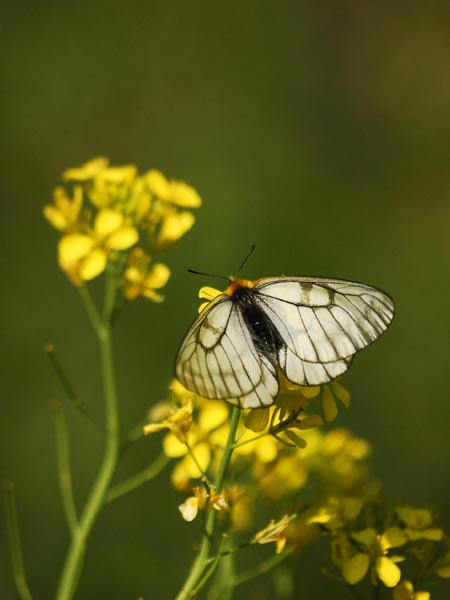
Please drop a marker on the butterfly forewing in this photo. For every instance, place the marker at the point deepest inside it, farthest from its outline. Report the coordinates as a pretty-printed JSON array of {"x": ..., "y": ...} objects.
[
  {"x": 316, "y": 325},
  {"x": 218, "y": 359}
]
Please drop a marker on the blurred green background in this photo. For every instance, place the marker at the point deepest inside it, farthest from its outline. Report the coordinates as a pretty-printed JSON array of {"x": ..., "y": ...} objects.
[{"x": 317, "y": 130}]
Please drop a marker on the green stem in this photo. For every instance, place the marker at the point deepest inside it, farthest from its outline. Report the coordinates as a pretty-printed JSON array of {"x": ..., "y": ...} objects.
[
  {"x": 15, "y": 547},
  {"x": 202, "y": 559},
  {"x": 74, "y": 560},
  {"x": 64, "y": 472},
  {"x": 139, "y": 479}
]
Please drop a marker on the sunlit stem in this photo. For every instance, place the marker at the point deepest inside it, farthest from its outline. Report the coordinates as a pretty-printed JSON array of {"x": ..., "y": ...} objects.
[
  {"x": 202, "y": 559},
  {"x": 103, "y": 328},
  {"x": 15, "y": 547}
]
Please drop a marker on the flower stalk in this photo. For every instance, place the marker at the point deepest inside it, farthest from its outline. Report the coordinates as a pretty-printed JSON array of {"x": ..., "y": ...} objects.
[
  {"x": 202, "y": 560},
  {"x": 103, "y": 328}
]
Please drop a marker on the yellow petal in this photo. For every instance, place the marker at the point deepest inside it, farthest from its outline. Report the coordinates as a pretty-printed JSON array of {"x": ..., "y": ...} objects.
[
  {"x": 404, "y": 591},
  {"x": 55, "y": 217},
  {"x": 257, "y": 419},
  {"x": 173, "y": 227},
  {"x": 387, "y": 571},
  {"x": 87, "y": 171},
  {"x": 172, "y": 446},
  {"x": 311, "y": 391},
  {"x": 93, "y": 264},
  {"x": 393, "y": 538},
  {"x": 158, "y": 184},
  {"x": 266, "y": 449},
  {"x": 153, "y": 427},
  {"x": 107, "y": 222},
  {"x": 341, "y": 393},
  {"x": 443, "y": 572},
  {"x": 354, "y": 569},
  {"x": 123, "y": 238},
  {"x": 158, "y": 276},
  {"x": 72, "y": 248},
  {"x": 414, "y": 518},
  {"x": 150, "y": 294},
  {"x": 189, "y": 509},
  {"x": 434, "y": 535},
  {"x": 202, "y": 455},
  {"x": 329, "y": 404},
  {"x": 184, "y": 195},
  {"x": 212, "y": 415},
  {"x": 208, "y": 293},
  {"x": 366, "y": 536},
  {"x": 310, "y": 421}
]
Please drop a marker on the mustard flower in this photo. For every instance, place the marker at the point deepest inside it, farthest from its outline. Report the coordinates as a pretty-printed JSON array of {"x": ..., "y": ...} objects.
[
  {"x": 86, "y": 171},
  {"x": 205, "y": 498},
  {"x": 178, "y": 421},
  {"x": 374, "y": 550},
  {"x": 418, "y": 521},
  {"x": 405, "y": 591},
  {"x": 274, "y": 532},
  {"x": 64, "y": 213},
  {"x": 83, "y": 256},
  {"x": 141, "y": 279}
]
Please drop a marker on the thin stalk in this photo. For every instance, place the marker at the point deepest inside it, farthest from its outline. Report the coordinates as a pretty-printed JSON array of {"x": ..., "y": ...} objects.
[
  {"x": 102, "y": 325},
  {"x": 64, "y": 471},
  {"x": 15, "y": 546},
  {"x": 139, "y": 479},
  {"x": 68, "y": 387},
  {"x": 202, "y": 558}
]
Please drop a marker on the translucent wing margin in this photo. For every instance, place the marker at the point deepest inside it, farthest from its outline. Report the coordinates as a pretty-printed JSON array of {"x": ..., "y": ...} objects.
[
  {"x": 323, "y": 323},
  {"x": 218, "y": 360}
]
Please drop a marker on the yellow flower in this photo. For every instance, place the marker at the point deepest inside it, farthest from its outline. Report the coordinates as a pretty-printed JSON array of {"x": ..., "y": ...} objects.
[
  {"x": 173, "y": 225},
  {"x": 112, "y": 187},
  {"x": 418, "y": 521},
  {"x": 172, "y": 191},
  {"x": 178, "y": 422},
  {"x": 274, "y": 532},
  {"x": 84, "y": 256},
  {"x": 405, "y": 591},
  {"x": 86, "y": 171},
  {"x": 64, "y": 213},
  {"x": 205, "y": 498},
  {"x": 377, "y": 546},
  {"x": 142, "y": 280}
]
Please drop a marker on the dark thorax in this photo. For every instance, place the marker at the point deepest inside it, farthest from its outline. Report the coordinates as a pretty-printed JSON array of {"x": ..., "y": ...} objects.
[{"x": 265, "y": 335}]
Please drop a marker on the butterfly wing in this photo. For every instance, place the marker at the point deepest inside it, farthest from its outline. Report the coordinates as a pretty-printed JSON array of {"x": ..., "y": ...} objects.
[
  {"x": 322, "y": 322},
  {"x": 217, "y": 358}
]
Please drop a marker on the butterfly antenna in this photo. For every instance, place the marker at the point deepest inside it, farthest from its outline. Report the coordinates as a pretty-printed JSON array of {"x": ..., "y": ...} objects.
[
  {"x": 208, "y": 274},
  {"x": 246, "y": 258}
]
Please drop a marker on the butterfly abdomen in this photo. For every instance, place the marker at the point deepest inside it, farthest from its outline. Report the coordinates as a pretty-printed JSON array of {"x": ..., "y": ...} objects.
[{"x": 265, "y": 336}]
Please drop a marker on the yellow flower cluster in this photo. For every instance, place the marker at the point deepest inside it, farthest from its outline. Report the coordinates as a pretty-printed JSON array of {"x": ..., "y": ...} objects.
[
  {"x": 266, "y": 451},
  {"x": 365, "y": 536},
  {"x": 104, "y": 212}
]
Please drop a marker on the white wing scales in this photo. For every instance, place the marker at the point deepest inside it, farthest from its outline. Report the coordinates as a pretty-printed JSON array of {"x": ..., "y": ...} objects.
[
  {"x": 217, "y": 359},
  {"x": 322, "y": 323}
]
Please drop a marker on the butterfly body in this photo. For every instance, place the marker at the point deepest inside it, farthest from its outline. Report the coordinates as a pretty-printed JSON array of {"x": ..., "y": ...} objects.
[{"x": 307, "y": 329}]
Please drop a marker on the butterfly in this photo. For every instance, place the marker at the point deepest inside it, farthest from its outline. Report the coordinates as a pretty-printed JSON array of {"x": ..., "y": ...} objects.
[{"x": 303, "y": 329}]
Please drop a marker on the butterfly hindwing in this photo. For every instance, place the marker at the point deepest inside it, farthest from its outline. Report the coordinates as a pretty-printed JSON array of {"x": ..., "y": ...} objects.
[{"x": 323, "y": 323}]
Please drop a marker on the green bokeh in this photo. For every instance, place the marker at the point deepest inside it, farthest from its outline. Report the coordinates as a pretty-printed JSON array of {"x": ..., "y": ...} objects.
[{"x": 318, "y": 131}]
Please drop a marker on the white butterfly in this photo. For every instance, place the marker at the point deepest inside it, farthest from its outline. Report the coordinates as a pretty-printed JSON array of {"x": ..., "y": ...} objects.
[{"x": 307, "y": 329}]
